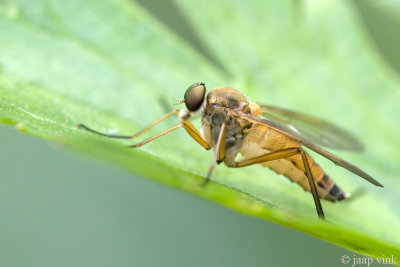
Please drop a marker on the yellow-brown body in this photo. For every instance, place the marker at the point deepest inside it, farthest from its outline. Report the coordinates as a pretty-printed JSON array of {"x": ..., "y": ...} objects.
[
  {"x": 231, "y": 125},
  {"x": 255, "y": 139}
]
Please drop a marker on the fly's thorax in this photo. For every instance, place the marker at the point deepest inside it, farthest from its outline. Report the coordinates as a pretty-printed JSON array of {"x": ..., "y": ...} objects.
[
  {"x": 235, "y": 130},
  {"x": 235, "y": 126},
  {"x": 232, "y": 99},
  {"x": 215, "y": 114},
  {"x": 227, "y": 97}
]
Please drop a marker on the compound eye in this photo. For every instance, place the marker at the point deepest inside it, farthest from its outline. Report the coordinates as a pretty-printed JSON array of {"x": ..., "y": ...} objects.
[{"x": 194, "y": 96}]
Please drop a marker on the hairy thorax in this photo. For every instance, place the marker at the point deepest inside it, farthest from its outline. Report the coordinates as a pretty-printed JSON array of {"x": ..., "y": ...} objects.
[{"x": 215, "y": 113}]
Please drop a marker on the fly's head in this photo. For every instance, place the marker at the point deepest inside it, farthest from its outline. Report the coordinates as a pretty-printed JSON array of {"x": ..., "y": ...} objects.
[{"x": 193, "y": 99}]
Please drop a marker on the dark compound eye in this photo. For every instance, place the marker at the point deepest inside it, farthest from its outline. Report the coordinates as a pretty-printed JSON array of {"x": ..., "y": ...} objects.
[{"x": 194, "y": 96}]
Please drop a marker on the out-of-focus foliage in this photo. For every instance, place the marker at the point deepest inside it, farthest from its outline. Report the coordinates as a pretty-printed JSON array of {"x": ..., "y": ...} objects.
[{"x": 382, "y": 19}]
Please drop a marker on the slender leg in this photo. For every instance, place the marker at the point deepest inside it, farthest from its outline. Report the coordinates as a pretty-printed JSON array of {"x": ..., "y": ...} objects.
[
  {"x": 280, "y": 154},
  {"x": 285, "y": 153},
  {"x": 156, "y": 136},
  {"x": 221, "y": 144},
  {"x": 190, "y": 129},
  {"x": 187, "y": 125},
  {"x": 175, "y": 111},
  {"x": 195, "y": 134},
  {"x": 219, "y": 153},
  {"x": 314, "y": 191}
]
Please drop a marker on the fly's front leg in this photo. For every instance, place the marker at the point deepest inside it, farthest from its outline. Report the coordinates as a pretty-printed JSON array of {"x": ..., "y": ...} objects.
[
  {"x": 175, "y": 111},
  {"x": 185, "y": 123},
  {"x": 190, "y": 129},
  {"x": 285, "y": 153},
  {"x": 195, "y": 134},
  {"x": 156, "y": 136}
]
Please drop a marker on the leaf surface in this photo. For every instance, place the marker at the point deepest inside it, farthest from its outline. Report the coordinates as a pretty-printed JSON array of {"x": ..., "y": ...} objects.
[{"x": 116, "y": 66}]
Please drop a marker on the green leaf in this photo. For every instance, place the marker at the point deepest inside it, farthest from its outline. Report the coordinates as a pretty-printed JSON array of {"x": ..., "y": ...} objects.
[{"x": 115, "y": 65}]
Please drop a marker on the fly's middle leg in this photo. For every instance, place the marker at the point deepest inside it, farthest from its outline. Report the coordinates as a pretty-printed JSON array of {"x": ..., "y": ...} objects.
[{"x": 219, "y": 152}]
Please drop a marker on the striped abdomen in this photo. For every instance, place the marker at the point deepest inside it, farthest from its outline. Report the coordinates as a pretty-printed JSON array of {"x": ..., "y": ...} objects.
[{"x": 261, "y": 140}]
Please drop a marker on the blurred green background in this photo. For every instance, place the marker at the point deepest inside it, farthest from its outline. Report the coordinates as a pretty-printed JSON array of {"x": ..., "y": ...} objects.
[{"x": 68, "y": 210}]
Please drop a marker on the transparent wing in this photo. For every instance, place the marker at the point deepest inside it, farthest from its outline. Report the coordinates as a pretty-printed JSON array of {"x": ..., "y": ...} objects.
[
  {"x": 312, "y": 129},
  {"x": 301, "y": 140}
]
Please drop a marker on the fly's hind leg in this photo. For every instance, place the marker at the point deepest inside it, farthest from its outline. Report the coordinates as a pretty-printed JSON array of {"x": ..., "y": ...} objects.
[
  {"x": 279, "y": 154},
  {"x": 285, "y": 153},
  {"x": 311, "y": 181}
]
